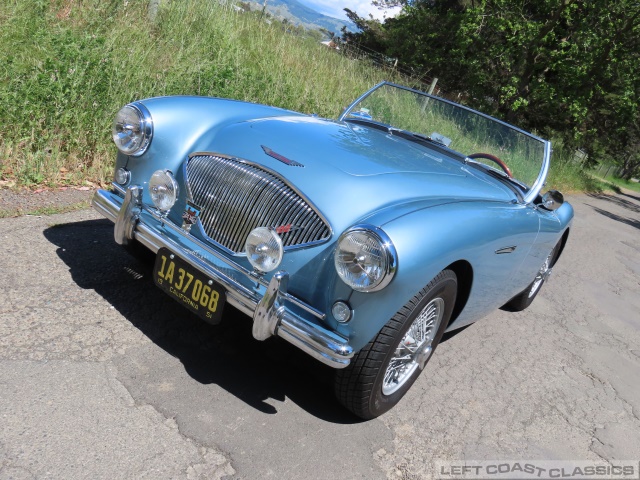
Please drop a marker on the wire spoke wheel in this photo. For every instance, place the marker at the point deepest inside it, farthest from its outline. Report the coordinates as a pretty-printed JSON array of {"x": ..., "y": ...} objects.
[
  {"x": 382, "y": 372},
  {"x": 525, "y": 297},
  {"x": 541, "y": 276},
  {"x": 415, "y": 348}
]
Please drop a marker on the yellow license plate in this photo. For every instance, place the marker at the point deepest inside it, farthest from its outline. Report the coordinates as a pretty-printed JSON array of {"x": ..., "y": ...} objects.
[{"x": 189, "y": 286}]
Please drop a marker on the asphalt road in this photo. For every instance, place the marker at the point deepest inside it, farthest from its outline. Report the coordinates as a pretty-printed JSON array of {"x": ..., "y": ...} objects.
[{"x": 103, "y": 376}]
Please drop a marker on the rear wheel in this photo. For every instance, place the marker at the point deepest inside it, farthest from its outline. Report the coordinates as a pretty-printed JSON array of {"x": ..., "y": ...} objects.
[
  {"x": 526, "y": 297},
  {"x": 383, "y": 371}
]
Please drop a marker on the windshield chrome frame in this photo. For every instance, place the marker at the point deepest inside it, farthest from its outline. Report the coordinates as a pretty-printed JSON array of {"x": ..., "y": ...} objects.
[{"x": 533, "y": 191}]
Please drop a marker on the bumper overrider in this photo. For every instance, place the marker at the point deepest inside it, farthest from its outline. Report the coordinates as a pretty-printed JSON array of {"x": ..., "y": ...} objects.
[{"x": 274, "y": 311}]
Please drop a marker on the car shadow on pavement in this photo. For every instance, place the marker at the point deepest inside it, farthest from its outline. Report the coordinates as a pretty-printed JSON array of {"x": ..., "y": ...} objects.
[
  {"x": 618, "y": 200},
  {"x": 449, "y": 335},
  {"x": 628, "y": 195},
  {"x": 626, "y": 220},
  {"x": 226, "y": 354}
]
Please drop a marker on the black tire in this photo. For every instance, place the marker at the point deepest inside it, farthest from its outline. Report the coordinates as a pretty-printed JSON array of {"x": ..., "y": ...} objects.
[
  {"x": 359, "y": 387},
  {"x": 528, "y": 295},
  {"x": 523, "y": 299}
]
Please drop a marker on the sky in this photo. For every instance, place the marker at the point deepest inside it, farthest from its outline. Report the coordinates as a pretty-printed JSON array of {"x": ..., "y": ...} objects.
[{"x": 334, "y": 8}]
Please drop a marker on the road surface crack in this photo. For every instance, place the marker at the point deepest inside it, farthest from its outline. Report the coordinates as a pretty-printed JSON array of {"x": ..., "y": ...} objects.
[{"x": 214, "y": 463}]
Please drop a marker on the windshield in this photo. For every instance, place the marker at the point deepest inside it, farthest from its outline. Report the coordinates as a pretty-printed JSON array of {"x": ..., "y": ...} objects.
[{"x": 431, "y": 120}]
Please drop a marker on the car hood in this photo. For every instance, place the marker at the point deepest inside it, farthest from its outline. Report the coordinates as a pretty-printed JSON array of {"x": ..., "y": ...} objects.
[{"x": 349, "y": 171}]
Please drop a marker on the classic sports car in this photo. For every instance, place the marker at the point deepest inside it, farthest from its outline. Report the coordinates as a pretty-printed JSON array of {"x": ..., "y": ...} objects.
[{"x": 360, "y": 240}]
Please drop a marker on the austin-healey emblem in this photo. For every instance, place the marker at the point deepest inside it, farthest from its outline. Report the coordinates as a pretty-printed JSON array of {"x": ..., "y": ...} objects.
[{"x": 190, "y": 216}]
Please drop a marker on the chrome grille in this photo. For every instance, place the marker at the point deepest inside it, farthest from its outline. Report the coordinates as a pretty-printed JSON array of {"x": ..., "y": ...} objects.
[{"x": 235, "y": 197}]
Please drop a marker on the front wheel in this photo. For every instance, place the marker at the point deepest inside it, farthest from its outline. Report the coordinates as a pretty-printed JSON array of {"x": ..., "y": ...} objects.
[{"x": 383, "y": 371}]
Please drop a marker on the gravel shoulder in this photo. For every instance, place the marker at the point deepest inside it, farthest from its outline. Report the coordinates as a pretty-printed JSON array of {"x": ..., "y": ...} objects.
[
  {"x": 103, "y": 376},
  {"x": 17, "y": 202}
]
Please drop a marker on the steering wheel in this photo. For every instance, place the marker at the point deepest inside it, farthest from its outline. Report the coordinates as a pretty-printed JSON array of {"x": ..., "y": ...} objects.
[{"x": 493, "y": 158}]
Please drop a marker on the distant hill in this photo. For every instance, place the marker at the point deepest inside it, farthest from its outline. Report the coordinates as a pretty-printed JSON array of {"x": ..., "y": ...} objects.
[{"x": 300, "y": 14}]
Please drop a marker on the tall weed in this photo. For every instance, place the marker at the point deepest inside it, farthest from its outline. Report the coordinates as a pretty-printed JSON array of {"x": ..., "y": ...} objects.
[{"x": 67, "y": 66}]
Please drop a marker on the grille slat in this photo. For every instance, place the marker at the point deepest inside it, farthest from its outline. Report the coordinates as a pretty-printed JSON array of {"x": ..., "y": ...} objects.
[
  {"x": 233, "y": 209},
  {"x": 235, "y": 197},
  {"x": 269, "y": 213}
]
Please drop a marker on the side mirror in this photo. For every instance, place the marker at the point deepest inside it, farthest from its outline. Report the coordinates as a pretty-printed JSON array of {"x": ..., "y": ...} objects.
[{"x": 552, "y": 200}]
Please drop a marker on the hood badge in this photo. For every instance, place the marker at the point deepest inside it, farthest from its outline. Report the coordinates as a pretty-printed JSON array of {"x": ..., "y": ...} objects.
[
  {"x": 282, "y": 229},
  {"x": 281, "y": 158},
  {"x": 190, "y": 216}
]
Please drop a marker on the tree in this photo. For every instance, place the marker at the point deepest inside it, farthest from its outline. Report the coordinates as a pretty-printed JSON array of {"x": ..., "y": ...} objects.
[{"x": 568, "y": 68}]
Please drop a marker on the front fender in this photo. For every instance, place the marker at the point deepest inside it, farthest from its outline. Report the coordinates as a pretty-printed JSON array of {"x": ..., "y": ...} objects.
[{"x": 430, "y": 239}]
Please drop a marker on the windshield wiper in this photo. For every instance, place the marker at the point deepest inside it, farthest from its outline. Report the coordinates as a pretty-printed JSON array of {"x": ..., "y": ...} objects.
[
  {"x": 413, "y": 135},
  {"x": 369, "y": 123},
  {"x": 433, "y": 141}
]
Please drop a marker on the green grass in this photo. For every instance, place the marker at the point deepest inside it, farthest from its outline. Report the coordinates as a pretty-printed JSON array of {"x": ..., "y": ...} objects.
[
  {"x": 620, "y": 182},
  {"x": 568, "y": 178},
  {"x": 66, "y": 68},
  {"x": 615, "y": 183},
  {"x": 45, "y": 211}
]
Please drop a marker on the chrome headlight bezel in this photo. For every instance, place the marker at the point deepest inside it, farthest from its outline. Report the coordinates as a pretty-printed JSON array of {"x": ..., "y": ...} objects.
[
  {"x": 385, "y": 265},
  {"x": 132, "y": 138}
]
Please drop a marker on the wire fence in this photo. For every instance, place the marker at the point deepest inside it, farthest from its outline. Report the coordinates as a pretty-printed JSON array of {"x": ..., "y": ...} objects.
[
  {"x": 419, "y": 80},
  {"x": 604, "y": 171}
]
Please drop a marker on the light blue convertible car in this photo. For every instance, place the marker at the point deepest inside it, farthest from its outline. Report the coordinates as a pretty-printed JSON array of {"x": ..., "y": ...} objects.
[{"x": 360, "y": 240}]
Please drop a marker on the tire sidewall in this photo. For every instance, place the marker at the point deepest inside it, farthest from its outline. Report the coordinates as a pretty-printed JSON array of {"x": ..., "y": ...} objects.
[
  {"x": 524, "y": 299},
  {"x": 445, "y": 288}
]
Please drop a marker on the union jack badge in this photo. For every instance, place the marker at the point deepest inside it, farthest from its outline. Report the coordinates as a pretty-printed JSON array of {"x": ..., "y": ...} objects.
[{"x": 190, "y": 216}]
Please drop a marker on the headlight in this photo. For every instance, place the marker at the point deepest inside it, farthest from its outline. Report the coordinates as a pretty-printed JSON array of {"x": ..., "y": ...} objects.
[
  {"x": 264, "y": 249},
  {"x": 133, "y": 129},
  {"x": 365, "y": 258},
  {"x": 163, "y": 189}
]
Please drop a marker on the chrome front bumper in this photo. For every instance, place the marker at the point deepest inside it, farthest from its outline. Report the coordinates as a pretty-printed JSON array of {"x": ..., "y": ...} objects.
[{"x": 269, "y": 305}]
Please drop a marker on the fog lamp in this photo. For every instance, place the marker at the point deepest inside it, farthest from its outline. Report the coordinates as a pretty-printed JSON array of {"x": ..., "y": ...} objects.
[
  {"x": 163, "y": 189},
  {"x": 264, "y": 249}
]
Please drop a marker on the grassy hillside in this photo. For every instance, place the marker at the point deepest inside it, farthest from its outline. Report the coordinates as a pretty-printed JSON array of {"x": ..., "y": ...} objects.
[{"x": 67, "y": 66}]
